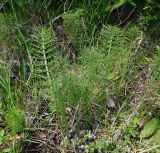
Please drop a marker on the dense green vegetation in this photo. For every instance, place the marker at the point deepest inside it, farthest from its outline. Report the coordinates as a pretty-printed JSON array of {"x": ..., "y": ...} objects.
[{"x": 79, "y": 76}]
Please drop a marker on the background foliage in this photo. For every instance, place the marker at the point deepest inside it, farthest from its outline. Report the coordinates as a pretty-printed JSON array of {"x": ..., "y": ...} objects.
[{"x": 107, "y": 100}]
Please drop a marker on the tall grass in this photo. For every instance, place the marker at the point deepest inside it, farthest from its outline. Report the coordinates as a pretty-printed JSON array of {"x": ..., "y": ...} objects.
[{"x": 5, "y": 83}]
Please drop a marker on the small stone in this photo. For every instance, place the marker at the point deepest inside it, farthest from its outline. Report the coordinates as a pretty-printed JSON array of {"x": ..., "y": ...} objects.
[
  {"x": 91, "y": 137},
  {"x": 111, "y": 103},
  {"x": 52, "y": 142},
  {"x": 82, "y": 147}
]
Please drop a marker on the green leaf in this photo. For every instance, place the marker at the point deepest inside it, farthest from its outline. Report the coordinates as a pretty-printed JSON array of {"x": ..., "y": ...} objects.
[
  {"x": 156, "y": 138},
  {"x": 131, "y": 2},
  {"x": 1, "y": 104},
  {"x": 53, "y": 108},
  {"x": 119, "y": 3},
  {"x": 1, "y": 132},
  {"x": 149, "y": 128},
  {"x": 112, "y": 76},
  {"x": 1, "y": 135},
  {"x": 7, "y": 150}
]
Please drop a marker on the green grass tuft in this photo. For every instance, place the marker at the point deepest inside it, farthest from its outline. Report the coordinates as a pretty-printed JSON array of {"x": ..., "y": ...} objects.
[{"x": 14, "y": 119}]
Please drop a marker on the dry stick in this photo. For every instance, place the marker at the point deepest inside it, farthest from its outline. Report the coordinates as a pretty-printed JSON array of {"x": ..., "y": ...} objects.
[
  {"x": 2, "y": 6},
  {"x": 63, "y": 36},
  {"x": 149, "y": 149}
]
